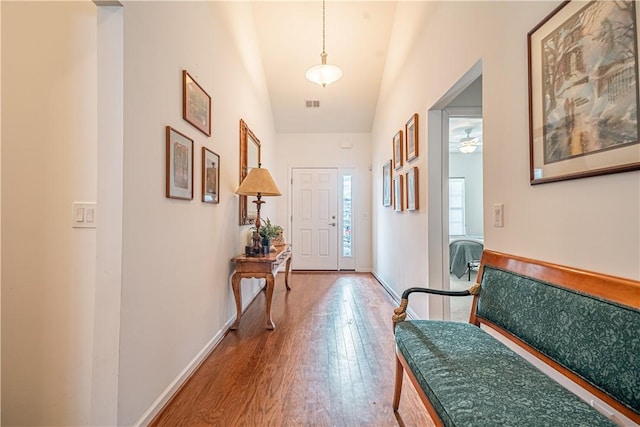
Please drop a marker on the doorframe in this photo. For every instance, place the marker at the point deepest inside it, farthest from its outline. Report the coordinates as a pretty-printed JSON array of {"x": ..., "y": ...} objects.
[{"x": 438, "y": 166}]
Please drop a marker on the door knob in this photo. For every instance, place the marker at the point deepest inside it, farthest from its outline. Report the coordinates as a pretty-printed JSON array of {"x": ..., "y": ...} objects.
[{"x": 333, "y": 224}]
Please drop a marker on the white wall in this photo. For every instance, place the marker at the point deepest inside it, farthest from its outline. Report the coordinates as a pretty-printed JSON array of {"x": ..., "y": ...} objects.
[
  {"x": 587, "y": 223},
  {"x": 324, "y": 150},
  {"x": 106, "y": 333},
  {"x": 48, "y": 161},
  {"x": 172, "y": 296},
  {"x": 176, "y": 297}
]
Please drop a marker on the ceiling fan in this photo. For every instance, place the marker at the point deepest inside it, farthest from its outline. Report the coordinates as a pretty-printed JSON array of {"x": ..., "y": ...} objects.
[{"x": 467, "y": 144}]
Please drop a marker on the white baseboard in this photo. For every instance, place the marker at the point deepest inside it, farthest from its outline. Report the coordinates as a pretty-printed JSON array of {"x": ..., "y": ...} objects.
[
  {"x": 410, "y": 313},
  {"x": 175, "y": 385}
]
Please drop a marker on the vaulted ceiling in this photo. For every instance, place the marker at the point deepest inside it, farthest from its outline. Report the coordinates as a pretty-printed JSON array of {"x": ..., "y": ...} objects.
[
  {"x": 290, "y": 42},
  {"x": 357, "y": 37}
]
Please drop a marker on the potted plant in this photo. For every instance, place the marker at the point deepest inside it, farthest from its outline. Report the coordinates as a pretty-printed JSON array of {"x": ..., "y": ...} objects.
[{"x": 269, "y": 232}]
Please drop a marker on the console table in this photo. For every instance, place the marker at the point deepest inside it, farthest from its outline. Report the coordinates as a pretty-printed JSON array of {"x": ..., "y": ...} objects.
[{"x": 260, "y": 267}]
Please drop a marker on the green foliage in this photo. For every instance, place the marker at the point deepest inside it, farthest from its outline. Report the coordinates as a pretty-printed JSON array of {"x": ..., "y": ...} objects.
[{"x": 267, "y": 229}]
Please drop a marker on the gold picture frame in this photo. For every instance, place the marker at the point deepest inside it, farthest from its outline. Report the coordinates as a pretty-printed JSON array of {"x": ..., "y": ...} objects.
[
  {"x": 412, "y": 189},
  {"x": 397, "y": 150},
  {"x": 250, "y": 152},
  {"x": 411, "y": 137}
]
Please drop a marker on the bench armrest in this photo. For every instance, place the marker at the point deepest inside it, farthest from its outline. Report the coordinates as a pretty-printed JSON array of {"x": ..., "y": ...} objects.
[{"x": 400, "y": 313}]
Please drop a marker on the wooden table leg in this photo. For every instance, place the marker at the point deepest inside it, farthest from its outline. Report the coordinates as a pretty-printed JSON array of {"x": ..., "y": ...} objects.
[
  {"x": 270, "y": 285},
  {"x": 237, "y": 294},
  {"x": 286, "y": 273}
]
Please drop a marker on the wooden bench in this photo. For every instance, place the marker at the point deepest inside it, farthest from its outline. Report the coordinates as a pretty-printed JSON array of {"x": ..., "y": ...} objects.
[{"x": 585, "y": 325}]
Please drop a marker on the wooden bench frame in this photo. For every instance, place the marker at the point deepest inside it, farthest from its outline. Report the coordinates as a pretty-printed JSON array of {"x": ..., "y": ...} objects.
[{"x": 611, "y": 288}]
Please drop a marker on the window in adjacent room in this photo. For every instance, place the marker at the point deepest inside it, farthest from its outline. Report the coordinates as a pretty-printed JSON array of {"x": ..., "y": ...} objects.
[{"x": 457, "y": 225}]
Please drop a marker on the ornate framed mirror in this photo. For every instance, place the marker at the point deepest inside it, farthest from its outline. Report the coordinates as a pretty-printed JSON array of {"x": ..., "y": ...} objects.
[{"x": 249, "y": 159}]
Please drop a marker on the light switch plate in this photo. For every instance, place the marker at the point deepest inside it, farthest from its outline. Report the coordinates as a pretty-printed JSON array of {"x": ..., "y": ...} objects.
[
  {"x": 84, "y": 215},
  {"x": 498, "y": 215}
]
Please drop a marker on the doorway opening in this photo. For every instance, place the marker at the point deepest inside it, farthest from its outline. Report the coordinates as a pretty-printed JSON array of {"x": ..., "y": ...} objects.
[
  {"x": 462, "y": 101},
  {"x": 465, "y": 201}
]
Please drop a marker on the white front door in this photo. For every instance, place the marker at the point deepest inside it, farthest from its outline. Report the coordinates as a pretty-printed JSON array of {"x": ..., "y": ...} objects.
[{"x": 314, "y": 219}]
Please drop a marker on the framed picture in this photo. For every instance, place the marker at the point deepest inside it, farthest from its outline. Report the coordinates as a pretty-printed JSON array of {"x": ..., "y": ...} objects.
[
  {"x": 196, "y": 104},
  {"x": 210, "y": 176},
  {"x": 398, "y": 196},
  {"x": 397, "y": 150},
  {"x": 386, "y": 184},
  {"x": 412, "y": 189},
  {"x": 583, "y": 91},
  {"x": 411, "y": 135},
  {"x": 179, "y": 183}
]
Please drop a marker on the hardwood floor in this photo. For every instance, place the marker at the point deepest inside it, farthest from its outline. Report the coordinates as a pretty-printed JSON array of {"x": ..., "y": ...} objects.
[{"x": 329, "y": 362}]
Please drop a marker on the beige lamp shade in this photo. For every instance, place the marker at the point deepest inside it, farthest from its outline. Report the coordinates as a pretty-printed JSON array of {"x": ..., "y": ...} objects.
[{"x": 258, "y": 182}]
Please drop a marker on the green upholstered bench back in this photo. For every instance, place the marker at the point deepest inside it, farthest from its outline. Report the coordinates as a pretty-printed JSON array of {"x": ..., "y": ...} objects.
[{"x": 596, "y": 339}]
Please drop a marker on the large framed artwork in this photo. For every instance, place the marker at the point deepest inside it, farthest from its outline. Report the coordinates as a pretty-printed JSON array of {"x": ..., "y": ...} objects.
[
  {"x": 386, "y": 184},
  {"x": 179, "y": 165},
  {"x": 583, "y": 91},
  {"x": 210, "y": 176},
  {"x": 397, "y": 150},
  {"x": 196, "y": 104}
]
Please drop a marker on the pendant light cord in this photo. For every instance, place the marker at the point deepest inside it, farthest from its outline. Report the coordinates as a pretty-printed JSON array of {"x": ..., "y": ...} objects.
[{"x": 323, "y": 26}]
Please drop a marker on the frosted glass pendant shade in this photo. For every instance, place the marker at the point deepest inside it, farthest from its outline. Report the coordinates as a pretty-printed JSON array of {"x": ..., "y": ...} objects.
[{"x": 323, "y": 74}]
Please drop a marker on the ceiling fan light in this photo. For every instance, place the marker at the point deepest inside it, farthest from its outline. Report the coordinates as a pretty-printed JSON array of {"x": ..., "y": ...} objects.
[
  {"x": 323, "y": 74},
  {"x": 467, "y": 144},
  {"x": 467, "y": 147}
]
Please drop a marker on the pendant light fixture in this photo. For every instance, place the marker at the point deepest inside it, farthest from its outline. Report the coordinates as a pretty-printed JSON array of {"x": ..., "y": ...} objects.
[{"x": 324, "y": 73}]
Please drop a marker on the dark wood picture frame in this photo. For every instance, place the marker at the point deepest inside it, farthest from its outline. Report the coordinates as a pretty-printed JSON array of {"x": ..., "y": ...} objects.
[
  {"x": 411, "y": 138},
  {"x": 196, "y": 104},
  {"x": 179, "y": 165},
  {"x": 583, "y": 92},
  {"x": 210, "y": 176},
  {"x": 397, "y": 150}
]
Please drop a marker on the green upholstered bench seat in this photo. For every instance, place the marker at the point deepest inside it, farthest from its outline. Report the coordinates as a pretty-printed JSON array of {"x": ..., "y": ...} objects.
[
  {"x": 583, "y": 324},
  {"x": 472, "y": 379}
]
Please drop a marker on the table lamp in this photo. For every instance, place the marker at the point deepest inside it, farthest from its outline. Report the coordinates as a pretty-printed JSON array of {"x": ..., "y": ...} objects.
[{"x": 258, "y": 183}]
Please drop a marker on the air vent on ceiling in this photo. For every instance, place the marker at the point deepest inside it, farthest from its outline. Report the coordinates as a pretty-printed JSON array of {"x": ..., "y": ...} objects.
[{"x": 312, "y": 104}]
